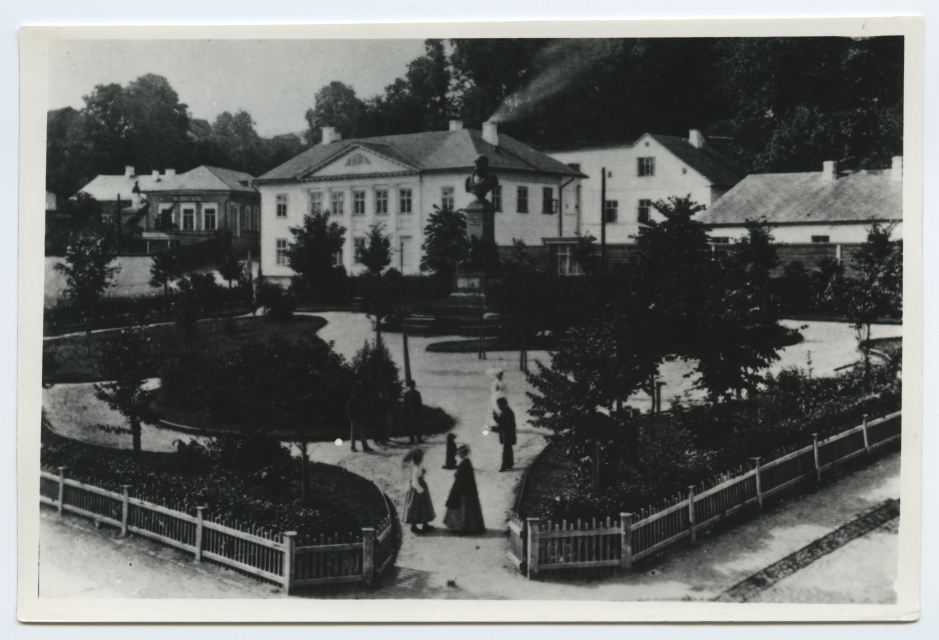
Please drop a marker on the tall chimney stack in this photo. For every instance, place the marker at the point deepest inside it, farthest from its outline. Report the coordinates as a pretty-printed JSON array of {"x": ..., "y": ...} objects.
[
  {"x": 456, "y": 125},
  {"x": 491, "y": 133},
  {"x": 169, "y": 173},
  {"x": 155, "y": 174},
  {"x": 896, "y": 169},
  {"x": 129, "y": 171},
  {"x": 695, "y": 139},
  {"x": 330, "y": 135},
  {"x": 829, "y": 171}
]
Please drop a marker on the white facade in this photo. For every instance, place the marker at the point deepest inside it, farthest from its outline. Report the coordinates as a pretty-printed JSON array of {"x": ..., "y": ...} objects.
[
  {"x": 370, "y": 189},
  {"x": 631, "y": 192},
  {"x": 841, "y": 233}
]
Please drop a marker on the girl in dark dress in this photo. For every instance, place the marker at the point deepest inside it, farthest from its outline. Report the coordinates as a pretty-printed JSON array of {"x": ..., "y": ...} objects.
[
  {"x": 418, "y": 507},
  {"x": 451, "y": 452},
  {"x": 464, "y": 513}
]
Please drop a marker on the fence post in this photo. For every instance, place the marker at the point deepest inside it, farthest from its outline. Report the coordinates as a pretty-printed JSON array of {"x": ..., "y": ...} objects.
[
  {"x": 289, "y": 546},
  {"x": 368, "y": 555},
  {"x": 818, "y": 467},
  {"x": 198, "y": 545},
  {"x": 534, "y": 528},
  {"x": 867, "y": 444},
  {"x": 626, "y": 557},
  {"x": 694, "y": 528},
  {"x": 125, "y": 509},
  {"x": 61, "y": 490},
  {"x": 759, "y": 484}
]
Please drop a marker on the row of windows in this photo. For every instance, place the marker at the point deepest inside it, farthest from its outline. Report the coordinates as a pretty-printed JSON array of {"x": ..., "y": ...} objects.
[
  {"x": 249, "y": 217},
  {"x": 358, "y": 248},
  {"x": 643, "y": 211},
  {"x": 406, "y": 201},
  {"x": 727, "y": 240}
]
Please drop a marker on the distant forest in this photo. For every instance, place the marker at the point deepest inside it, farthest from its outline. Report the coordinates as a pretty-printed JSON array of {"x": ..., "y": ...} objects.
[{"x": 772, "y": 104}]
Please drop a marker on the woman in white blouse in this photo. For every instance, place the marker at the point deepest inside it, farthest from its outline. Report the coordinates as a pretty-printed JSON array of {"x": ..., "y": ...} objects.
[{"x": 418, "y": 507}]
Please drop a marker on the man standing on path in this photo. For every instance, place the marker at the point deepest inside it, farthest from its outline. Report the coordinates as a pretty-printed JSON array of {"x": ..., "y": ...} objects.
[
  {"x": 413, "y": 404},
  {"x": 357, "y": 421},
  {"x": 505, "y": 425}
]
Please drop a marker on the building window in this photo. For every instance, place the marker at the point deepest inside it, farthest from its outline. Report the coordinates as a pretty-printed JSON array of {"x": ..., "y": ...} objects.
[
  {"x": 281, "y": 205},
  {"x": 189, "y": 219},
  {"x": 242, "y": 219},
  {"x": 209, "y": 219},
  {"x": 645, "y": 210},
  {"x": 567, "y": 265},
  {"x": 359, "y": 249},
  {"x": 497, "y": 198},
  {"x": 338, "y": 202},
  {"x": 611, "y": 211},
  {"x": 405, "y": 198},
  {"x": 281, "y": 251},
  {"x": 358, "y": 203},
  {"x": 446, "y": 198},
  {"x": 821, "y": 239},
  {"x": 522, "y": 200},
  {"x": 381, "y": 201},
  {"x": 165, "y": 219},
  {"x": 547, "y": 200},
  {"x": 337, "y": 258},
  {"x": 316, "y": 201},
  {"x": 646, "y": 167}
]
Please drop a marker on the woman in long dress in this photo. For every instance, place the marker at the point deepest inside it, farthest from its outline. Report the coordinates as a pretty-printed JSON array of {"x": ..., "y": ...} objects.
[
  {"x": 498, "y": 389},
  {"x": 418, "y": 507},
  {"x": 464, "y": 513}
]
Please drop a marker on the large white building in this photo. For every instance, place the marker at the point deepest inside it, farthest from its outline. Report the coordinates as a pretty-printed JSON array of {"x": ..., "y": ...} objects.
[
  {"x": 653, "y": 168},
  {"x": 395, "y": 181}
]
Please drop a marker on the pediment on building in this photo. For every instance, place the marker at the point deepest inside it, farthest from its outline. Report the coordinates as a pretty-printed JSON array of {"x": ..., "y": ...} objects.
[{"x": 360, "y": 160}]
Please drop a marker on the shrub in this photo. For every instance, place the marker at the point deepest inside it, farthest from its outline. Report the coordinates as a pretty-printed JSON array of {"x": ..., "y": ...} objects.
[{"x": 279, "y": 302}]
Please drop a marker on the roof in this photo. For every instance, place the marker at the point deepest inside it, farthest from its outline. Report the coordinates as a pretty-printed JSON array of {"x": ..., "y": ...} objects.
[
  {"x": 204, "y": 178},
  {"x": 705, "y": 160},
  {"x": 105, "y": 188},
  {"x": 429, "y": 151},
  {"x": 804, "y": 198}
]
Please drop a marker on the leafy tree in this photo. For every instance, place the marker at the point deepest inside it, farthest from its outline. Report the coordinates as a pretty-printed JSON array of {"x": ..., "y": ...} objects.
[
  {"x": 382, "y": 297},
  {"x": 164, "y": 269},
  {"x": 237, "y": 144},
  {"x": 278, "y": 302},
  {"x": 377, "y": 253},
  {"x": 312, "y": 254},
  {"x": 207, "y": 292},
  {"x": 230, "y": 268},
  {"x": 336, "y": 105},
  {"x": 524, "y": 296},
  {"x": 445, "y": 244},
  {"x": 377, "y": 380},
  {"x": 88, "y": 272},
  {"x": 128, "y": 362}
]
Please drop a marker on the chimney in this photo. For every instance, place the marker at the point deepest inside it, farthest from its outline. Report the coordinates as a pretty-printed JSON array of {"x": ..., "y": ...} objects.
[
  {"x": 695, "y": 139},
  {"x": 456, "y": 125},
  {"x": 829, "y": 171},
  {"x": 169, "y": 173},
  {"x": 129, "y": 171},
  {"x": 491, "y": 133},
  {"x": 896, "y": 169},
  {"x": 155, "y": 174},
  {"x": 330, "y": 135}
]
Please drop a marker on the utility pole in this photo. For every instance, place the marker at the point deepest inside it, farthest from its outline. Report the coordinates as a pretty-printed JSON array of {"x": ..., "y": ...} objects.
[
  {"x": 118, "y": 224},
  {"x": 603, "y": 221}
]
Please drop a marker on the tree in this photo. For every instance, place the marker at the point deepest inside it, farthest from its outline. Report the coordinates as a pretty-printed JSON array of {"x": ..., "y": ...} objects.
[
  {"x": 88, "y": 272},
  {"x": 230, "y": 268},
  {"x": 164, "y": 269},
  {"x": 377, "y": 380},
  {"x": 128, "y": 362},
  {"x": 336, "y": 105},
  {"x": 278, "y": 303},
  {"x": 377, "y": 252},
  {"x": 445, "y": 244},
  {"x": 237, "y": 144},
  {"x": 312, "y": 254},
  {"x": 187, "y": 306},
  {"x": 524, "y": 296},
  {"x": 382, "y": 296}
]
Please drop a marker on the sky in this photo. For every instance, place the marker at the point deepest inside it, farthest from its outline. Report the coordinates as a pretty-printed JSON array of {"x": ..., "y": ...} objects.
[{"x": 273, "y": 80}]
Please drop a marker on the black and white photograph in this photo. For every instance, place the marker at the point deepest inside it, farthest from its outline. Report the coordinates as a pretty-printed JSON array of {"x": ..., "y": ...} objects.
[{"x": 430, "y": 314}]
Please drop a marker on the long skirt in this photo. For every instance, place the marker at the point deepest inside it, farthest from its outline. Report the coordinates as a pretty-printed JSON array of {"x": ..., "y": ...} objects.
[
  {"x": 418, "y": 507},
  {"x": 467, "y": 518}
]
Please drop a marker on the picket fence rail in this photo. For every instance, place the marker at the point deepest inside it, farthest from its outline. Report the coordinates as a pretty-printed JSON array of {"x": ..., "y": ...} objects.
[
  {"x": 276, "y": 557},
  {"x": 537, "y": 546}
]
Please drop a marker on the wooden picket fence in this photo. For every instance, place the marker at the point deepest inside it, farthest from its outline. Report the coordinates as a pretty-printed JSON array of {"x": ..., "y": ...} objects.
[
  {"x": 537, "y": 546},
  {"x": 276, "y": 557}
]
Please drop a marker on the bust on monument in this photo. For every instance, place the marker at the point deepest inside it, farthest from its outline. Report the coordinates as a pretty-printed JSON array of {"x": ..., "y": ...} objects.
[{"x": 482, "y": 181}]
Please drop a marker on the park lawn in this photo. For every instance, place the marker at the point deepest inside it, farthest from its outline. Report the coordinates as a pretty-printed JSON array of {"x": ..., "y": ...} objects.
[{"x": 77, "y": 357}]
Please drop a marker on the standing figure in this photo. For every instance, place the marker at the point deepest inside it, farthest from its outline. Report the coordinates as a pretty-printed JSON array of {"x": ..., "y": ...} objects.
[
  {"x": 413, "y": 406},
  {"x": 505, "y": 426},
  {"x": 498, "y": 389},
  {"x": 357, "y": 421},
  {"x": 451, "y": 452},
  {"x": 464, "y": 513},
  {"x": 418, "y": 507}
]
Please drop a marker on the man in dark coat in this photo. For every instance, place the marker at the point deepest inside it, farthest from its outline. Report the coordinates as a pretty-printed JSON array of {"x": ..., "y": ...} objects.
[
  {"x": 413, "y": 404},
  {"x": 505, "y": 425},
  {"x": 357, "y": 421}
]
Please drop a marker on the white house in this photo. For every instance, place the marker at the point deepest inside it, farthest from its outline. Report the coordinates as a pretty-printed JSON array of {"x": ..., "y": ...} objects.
[
  {"x": 652, "y": 168},
  {"x": 395, "y": 181},
  {"x": 828, "y": 207}
]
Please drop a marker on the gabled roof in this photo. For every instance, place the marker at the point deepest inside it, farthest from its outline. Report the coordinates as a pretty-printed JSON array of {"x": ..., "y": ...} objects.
[
  {"x": 204, "y": 178},
  {"x": 106, "y": 188},
  {"x": 707, "y": 161},
  {"x": 805, "y": 198},
  {"x": 429, "y": 151}
]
